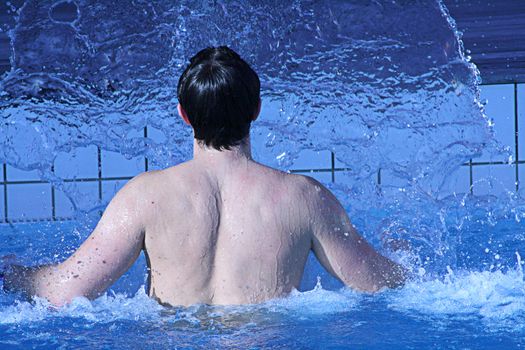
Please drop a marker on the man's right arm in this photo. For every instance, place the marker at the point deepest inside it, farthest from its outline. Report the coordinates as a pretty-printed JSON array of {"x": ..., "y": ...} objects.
[
  {"x": 342, "y": 251},
  {"x": 104, "y": 256}
]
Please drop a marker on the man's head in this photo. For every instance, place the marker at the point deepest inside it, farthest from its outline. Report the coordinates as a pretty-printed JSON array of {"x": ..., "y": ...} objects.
[{"x": 219, "y": 96}]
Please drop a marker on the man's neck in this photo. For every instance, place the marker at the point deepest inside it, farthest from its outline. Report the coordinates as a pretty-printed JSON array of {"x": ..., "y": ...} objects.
[{"x": 236, "y": 154}]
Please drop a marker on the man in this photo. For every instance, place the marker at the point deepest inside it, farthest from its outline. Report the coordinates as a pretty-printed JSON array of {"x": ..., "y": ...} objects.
[{"x": 220, "y": 228}]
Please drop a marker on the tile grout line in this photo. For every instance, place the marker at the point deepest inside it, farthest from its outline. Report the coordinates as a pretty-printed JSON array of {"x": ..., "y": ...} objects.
[
  {"x": 5, "y": 192},
  {"x": 503, "y": 83},
  {"x": 53, "y": 200},
  {"x": 333, "y": 165},
  {"x": 146, "y": 165},
  {"x": 471, "y": 182},
  {"x": 99, "y": 178}
]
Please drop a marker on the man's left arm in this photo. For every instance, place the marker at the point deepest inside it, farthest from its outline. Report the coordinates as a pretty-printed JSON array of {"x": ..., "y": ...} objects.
[{"x": 104, "y": 256}]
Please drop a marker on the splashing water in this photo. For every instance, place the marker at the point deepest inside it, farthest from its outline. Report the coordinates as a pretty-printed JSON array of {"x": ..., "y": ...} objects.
[
  {"x": 384, "y": 92},
  {"x": 385, "y": 85},
  {"x": 341, "y": 82}
]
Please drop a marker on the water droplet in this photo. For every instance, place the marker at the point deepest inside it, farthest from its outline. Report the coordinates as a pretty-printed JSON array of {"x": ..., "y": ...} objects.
[{"x": 64, "y": 12}]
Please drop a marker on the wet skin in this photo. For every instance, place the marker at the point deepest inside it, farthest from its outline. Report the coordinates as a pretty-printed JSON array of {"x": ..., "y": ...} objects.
[{"x": 218, "y": 229}]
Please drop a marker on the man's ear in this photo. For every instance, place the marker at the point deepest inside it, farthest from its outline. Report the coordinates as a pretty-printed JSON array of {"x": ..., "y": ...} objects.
[
  {"x": 183, "y": 114},
  {"x": 258, "y": 111}
]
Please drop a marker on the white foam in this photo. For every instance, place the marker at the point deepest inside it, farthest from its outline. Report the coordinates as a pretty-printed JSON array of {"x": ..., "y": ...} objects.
[
  {"x": 317, "y": 301},
  {"x": 494, "y": 295},
  {"x": 106, "y": 308}
]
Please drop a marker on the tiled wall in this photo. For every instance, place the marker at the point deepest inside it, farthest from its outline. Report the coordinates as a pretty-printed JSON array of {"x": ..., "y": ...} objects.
[
  {"x": 94, "y": 174},
  {"x": 506, "y": 107},
  {"x": 97, "y": 174}
]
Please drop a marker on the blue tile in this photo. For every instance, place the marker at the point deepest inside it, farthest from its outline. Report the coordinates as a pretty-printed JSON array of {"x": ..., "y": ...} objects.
[
  {"x": 135, "y": 133},
  {"x": 116, "y": 165},
  {"x": 15, "y": 174},
  {"x": 2, "y": 205},
  {"x": 458, "y": 182},
  {"x": 155, "y": 166},
  {"x": 521, "y": 177},
  {"x": 391, "y": 180},
  {"x": 344, "y": 177},
  {"x": 156, "y": 135},
  {"x": 110, "y": 188},
  {"x": 493, "y": 179},
  {"x": 29, "y": 201},
  {"x": 339, "y": 163},
  {"x": 159, "y": 138},
  {"x": 82, "y": 162},
  {"x": 312, "y": 160},
  {"x": 271, "y": 109},
  {"x": 85, "y": 195},
  {"x": 500, "y": 108},
  {"x": 521, "y": 121}
]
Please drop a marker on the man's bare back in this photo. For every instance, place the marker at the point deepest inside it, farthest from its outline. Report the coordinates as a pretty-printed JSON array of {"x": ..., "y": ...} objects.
[
  {"x": 221, "y": 228},
  {"x": 234, "y": 235},
  {"x": 241, "y": 233}
]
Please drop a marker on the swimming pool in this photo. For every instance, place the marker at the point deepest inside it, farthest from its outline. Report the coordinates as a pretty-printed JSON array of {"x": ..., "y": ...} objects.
[
  {"x": 477, "y": 304},
  {"x": 385, "y": 86}
]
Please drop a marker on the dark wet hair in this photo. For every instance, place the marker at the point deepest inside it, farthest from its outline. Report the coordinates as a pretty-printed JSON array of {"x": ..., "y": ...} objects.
[{"x": 220, "y": 94}]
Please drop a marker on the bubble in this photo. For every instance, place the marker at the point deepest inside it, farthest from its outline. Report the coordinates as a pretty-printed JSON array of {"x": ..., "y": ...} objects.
[{"x": 64, "y": 12}]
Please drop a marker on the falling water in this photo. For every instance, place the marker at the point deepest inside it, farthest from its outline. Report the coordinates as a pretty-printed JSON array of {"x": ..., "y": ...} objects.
[{"x": 384, "y": 85}]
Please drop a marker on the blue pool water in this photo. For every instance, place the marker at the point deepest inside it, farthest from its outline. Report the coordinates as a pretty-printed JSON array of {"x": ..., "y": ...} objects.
[
  {"x": 385, "y": 85},
  {"x": 477, "y": 304}
]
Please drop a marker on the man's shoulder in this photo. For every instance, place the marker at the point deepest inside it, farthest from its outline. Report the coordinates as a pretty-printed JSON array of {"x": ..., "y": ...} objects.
[
  {"x": 290, "y": 180},
  {"x": 300, "y": 187},
  {"x": 152, "y": 180},
  {"x": 313, "y": 192},
  {"x": 305, "y": 183}
]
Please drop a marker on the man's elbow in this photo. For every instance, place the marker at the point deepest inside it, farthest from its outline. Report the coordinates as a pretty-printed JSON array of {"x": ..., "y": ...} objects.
[
  {"x": 62, "y": 298},
  {"x": 62, "y": 293}
]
